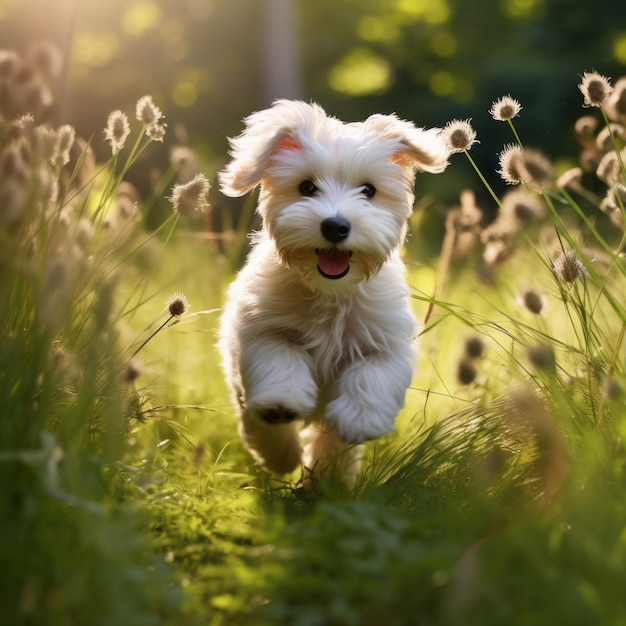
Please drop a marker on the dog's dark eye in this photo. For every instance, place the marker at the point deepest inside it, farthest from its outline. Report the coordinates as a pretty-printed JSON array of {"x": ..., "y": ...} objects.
[
  {"x": 368, "y": 190},
  {"x": 307, "y": 188}
]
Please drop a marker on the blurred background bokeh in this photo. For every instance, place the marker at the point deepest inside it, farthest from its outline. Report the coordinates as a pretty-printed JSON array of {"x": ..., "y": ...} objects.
[{"x": 208, "y": 63}]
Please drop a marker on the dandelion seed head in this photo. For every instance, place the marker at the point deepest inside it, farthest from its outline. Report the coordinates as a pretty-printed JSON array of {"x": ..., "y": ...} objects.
[
  {"x": 117, "y": 130},
  {"x": 459, "y": 135},
  {"x": 568, "y": 268},
  {"x": 506, "y": 108},
  {"x": 595, "y": 89},
  {"x": 192, "y": 196},
  {"x": 177, "y": 304}
]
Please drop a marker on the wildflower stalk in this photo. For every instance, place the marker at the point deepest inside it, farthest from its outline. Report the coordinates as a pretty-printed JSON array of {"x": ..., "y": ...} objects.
[
  {"x": 618, "y": 153},
  {"x": 158, "y": 330},
  {"x": 561, "y": 229},
  {"x": 483, "y": 179},
  {"x": 114, "y": 180},
  {"x": 599, "y": 238},
  {"x": 517, "y": 138}
]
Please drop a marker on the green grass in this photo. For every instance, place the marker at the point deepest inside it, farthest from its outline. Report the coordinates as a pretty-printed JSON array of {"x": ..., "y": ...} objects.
[{"x": 126, "y": 496}]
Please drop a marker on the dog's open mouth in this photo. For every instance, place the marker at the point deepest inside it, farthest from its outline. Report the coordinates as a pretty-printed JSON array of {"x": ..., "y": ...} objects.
[{"x": 333, "y": 263}]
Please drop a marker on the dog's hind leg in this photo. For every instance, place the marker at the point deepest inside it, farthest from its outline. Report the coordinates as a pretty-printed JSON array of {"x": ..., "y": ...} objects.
[
  {"x": 275, "y": 445},
  {"x": 326, "y": 456}
]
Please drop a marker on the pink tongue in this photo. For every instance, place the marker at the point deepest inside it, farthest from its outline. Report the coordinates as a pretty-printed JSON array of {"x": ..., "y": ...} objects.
[{"x": 333, "y": 262}]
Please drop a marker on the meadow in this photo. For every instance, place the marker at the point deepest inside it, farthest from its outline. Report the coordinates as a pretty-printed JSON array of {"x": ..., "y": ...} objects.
[{"x": 126, "y": 496}]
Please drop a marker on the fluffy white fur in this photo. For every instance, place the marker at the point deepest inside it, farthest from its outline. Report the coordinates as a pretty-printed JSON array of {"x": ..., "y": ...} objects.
[{"x": 333, "y": 354}]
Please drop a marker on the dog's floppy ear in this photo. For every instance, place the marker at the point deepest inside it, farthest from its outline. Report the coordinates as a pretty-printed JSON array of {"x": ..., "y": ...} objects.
[
  {"x": 419, "y": 149},
  {"x": 266, "y": 132}
]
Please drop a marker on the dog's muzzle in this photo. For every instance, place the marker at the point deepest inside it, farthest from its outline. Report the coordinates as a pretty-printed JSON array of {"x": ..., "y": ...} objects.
[{"x": 332, "y": 262}]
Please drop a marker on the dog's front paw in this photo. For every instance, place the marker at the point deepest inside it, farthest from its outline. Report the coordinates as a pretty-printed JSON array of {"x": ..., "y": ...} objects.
[
  {"x": 277, "y": 415},
  {"x": 356, "y": 424}
]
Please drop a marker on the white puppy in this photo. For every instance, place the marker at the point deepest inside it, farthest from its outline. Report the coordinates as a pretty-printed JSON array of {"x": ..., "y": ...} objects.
[{"x": 318, "y": 328}]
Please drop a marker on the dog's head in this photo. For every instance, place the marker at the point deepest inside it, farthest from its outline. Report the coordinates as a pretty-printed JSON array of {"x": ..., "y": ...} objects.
[{"x": 335, "y": 197}]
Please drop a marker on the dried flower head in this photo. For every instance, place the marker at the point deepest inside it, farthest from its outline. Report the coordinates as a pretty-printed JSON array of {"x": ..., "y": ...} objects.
[
  {"x": 535, "y": 169},
  {"x": 46, "y": 142},
  {"x": 534, "y": 301},
  {"x": 609, "y": 169},
  {"x": 156, "y": 132},
  {"x": 614, "y": 203},
  {"x": 506, "y": 108},
  {"x": 46, "y": 57},
  {"x": 131, "y": 372},
  {"x": 185, "y": 161},
  {"x": 9, "y": 61},
  {"x": 459, "y": 135},
  {"x": 509, "y": 160},
  {"x": 177, "y": 304},
  {"x": 466, "y": 372},
  {"x": 66, "y": 135},
  {"x": 568, "y": 268},
  {"x": 522, "y": 207},
  {"x": 84, "y": 233},
  {"x": 542, "y": 357},
  {"x": 595, "y": 89},
  {"x": 474, "y": 347},
  {"x": 151, "y": 117},
  {"x": 147, "y": 112},
  {"x": 128, "y": 202},
  {"x": 605, "y": 138},
  {"x": 616, "y": 102},
  {"x": 586, "y": 126},
  {"x": 117, "y": 130},
  {"x": 192, "y": 196},
  {"x": 612, "y": 389},
  {"x": 570, "y": 179}
]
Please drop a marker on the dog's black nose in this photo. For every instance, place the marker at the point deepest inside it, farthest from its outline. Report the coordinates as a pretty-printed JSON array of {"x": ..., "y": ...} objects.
[{"x": 335, "y": 229}]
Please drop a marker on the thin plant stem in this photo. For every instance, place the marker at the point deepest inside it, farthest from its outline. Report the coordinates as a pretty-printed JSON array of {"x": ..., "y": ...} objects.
[
  {"x": 165, "y": 323},
  {"x": 483, "y": 179},
  {"x": 517, "y": 138}
]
